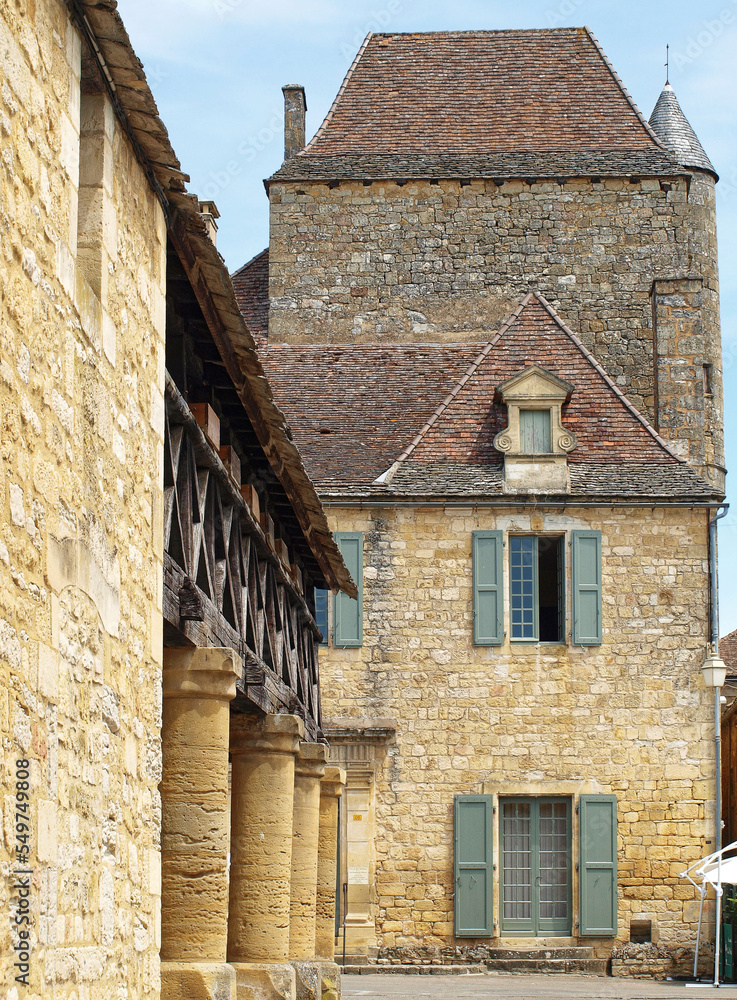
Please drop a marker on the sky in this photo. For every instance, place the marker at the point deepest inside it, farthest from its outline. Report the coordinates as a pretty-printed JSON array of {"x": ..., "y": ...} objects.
[{"x": 216, "y": 69}]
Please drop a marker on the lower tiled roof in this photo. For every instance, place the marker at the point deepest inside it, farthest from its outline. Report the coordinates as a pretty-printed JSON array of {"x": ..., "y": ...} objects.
[
  {"x": 251, "y": 287},
  {"x": 354, "y": 408},
  {"x": 414, "y": 420},
  {"x": 597, "y": 482}
]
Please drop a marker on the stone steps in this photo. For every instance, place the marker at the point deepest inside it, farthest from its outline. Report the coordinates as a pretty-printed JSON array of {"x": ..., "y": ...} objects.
[
  {"x": 413, "y": 970},
  {"x": 546, "y": 960}
]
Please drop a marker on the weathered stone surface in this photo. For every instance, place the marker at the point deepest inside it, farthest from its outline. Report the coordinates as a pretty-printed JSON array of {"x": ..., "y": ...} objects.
[
  {"x": 331, "y": 788},
  {"x": 309, "y": 769},
  {"x": 80, "y": 550},
  {"x": 197, "y": 981},
  {"x": 198, "y": 686},
  {"x": 265, "y": 981},
  {"x": 263, "y": 756}
]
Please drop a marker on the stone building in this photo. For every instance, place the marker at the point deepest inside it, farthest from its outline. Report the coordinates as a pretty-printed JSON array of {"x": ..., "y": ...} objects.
[
  {"x": 492, "y": 321},
  {"x": 160, "y": 547}
]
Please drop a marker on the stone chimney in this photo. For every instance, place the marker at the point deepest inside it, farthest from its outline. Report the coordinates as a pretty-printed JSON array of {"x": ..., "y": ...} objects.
[
  {"x": 295, "y": 106},
  {"x": 209, "y": 212}
]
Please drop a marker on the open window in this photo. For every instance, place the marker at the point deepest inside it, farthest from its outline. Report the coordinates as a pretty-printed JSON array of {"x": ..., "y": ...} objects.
[{"x": 537, "y": 601}]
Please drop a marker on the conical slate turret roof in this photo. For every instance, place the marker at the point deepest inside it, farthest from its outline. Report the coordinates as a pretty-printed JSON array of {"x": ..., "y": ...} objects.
[{"x": 671, "y": 126}]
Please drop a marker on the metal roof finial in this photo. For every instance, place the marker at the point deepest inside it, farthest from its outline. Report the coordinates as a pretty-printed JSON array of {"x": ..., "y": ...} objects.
[{"x": 667, "y": 67}]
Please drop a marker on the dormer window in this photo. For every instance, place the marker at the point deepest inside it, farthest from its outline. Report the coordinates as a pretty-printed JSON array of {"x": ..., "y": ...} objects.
[{"x": 535, "y": 444}]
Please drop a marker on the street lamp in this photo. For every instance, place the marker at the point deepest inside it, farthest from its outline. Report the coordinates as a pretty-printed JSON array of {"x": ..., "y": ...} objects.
[{"x": 714, "y": 671}]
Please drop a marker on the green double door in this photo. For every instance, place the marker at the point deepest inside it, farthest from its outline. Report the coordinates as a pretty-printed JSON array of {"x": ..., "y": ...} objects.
[{"x": 535, "y": 883}]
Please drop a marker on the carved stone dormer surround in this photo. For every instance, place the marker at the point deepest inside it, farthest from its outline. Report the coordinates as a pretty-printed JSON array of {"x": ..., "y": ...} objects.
[{"x": 525, "y": 470}]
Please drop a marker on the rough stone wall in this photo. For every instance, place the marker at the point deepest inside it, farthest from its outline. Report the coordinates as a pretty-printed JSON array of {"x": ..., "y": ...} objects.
[
  {"x": 630, "y": 717},
  {"x": 449, "y": 260},
  {"x": 81, "y": 383}
]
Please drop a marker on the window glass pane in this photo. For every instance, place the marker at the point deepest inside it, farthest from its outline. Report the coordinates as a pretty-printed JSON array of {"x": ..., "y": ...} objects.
[
  {"x": 534, "y": 432},
  {"x": 321, "y": 613},
  {"x": 523, "y": 586},
  {"x": 517, "y": 866}
]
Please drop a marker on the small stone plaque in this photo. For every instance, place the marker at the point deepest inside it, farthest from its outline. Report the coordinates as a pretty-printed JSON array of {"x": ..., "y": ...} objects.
[{"x": 358, "y": 876}]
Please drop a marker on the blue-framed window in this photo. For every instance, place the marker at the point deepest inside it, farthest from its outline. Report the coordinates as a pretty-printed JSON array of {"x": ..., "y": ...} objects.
[{"x": 321, "y": 613}]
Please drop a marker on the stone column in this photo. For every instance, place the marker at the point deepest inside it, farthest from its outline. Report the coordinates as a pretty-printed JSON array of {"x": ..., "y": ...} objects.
[
  {"x": 263, "y": 753},
  {"x": 198, "y": 686},
  {"x": 309, "y": 769},
  {"x": 331, "y": 788}
]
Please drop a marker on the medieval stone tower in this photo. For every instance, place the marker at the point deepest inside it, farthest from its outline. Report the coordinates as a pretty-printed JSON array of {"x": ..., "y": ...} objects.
[{"x": 423, "y": 213}]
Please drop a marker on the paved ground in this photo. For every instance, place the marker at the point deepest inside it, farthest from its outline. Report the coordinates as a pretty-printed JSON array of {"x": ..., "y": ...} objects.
[{"x": 528, "y": 987}]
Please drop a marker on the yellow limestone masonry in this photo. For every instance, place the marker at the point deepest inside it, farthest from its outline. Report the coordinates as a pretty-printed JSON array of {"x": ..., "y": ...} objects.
[
  {"x": 630, "y": 717},
  {"x": 81, "y": 404}
]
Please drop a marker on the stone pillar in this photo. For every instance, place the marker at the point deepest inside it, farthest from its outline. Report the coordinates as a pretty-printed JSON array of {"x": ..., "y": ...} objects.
[
  {"x": 309, "y": 769},
  {"x": 198, "y": 686},
  {"x": 331, "y": 788},
  {"x": 263, "y": 753}
]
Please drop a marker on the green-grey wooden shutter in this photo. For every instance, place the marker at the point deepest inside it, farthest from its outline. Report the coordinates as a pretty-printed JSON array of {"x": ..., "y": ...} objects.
[
  {"x": 587, "y": 588},
  {"x": 473, "y": 869},
  {"x": 534, "y": 432},
  {"x": 488, "y": 603},
  {"x": 598, "y": 865},
  {"x": 347, "y": 612}
]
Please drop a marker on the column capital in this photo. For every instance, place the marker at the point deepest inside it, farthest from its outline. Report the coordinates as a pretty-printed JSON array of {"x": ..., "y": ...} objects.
[
  {"x": 310, "y": 761},
  {"x": 333, "y": 782},
  {"x": 270, "y": 734},
  {"x": 201, "y": 672}
]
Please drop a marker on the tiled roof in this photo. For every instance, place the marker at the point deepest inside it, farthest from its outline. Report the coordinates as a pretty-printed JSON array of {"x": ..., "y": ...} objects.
[
  {"x": 481, "y": 92},
  {"x": 251, "y": 287},
  {"x": 728, "y": 652},
  {"x": 354, "y": 408},
  {"x": 607, "y": 427},
  {"x": 654, "y": 162},
  {"x": 594, "y": 481},
  {"x": 671, "y": 126},
  {"x": 430, "y": 414}
]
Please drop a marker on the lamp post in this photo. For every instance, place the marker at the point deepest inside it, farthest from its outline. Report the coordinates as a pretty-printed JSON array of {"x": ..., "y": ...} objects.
[{"x": 714, "y": 672}]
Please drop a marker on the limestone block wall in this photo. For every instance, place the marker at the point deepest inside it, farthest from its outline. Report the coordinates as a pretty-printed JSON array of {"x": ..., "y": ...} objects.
[
  {"x": 630, "y": 717},
  {"x": 81, "y": 384},
  {"x": 449, "y": 260}
]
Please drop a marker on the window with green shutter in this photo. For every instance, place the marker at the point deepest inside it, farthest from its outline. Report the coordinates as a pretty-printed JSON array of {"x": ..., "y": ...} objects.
[
  {"x": 587, "y": 602},
  {"x": 347, "y": 612},
  {"x": 488, "y": 597},
  {"x": 473, "y": 865},
  {"x": 598, "y": 865}
]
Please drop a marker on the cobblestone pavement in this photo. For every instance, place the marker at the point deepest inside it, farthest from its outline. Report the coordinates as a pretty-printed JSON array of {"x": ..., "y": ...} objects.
[{"x": 481, "y": 986}]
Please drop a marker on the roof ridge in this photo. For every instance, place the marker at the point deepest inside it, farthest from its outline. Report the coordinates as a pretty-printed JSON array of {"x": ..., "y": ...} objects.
[
  {"x": 607, "y": 378},
  {"x": 249, "y": 262},
  {"x": 620, "y": 83},
  {"x": 338, "y": 96},
  {"x": 386, "y": 477}
]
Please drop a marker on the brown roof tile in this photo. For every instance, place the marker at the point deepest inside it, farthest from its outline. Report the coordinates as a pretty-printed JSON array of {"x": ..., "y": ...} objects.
[
  {"x": 481, "y": 92},
  {"x": 354, "y": 408},
  {"x": 728, "y": 652},
  {"x": 251, "y": 287}
]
